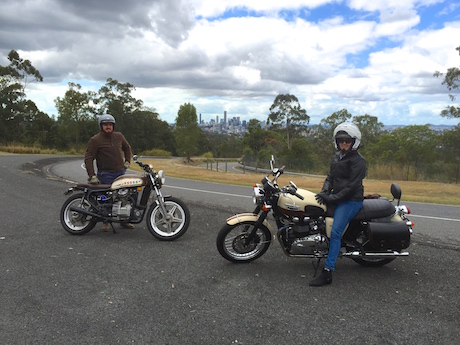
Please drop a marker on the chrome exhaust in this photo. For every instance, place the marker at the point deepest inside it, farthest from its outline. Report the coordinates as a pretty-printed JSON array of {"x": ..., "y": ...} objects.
[{"x": 393, "y": 254}]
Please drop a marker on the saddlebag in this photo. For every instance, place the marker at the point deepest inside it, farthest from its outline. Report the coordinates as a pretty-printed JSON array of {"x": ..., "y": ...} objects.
[{"x": 391, "y": 235}]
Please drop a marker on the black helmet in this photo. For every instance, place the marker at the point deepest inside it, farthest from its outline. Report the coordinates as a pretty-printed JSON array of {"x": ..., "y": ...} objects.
[{"x": 106, "y": 118}]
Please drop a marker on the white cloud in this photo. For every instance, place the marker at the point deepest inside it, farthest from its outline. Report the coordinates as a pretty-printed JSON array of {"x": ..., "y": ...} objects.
[{"x": 372, "y": 57}]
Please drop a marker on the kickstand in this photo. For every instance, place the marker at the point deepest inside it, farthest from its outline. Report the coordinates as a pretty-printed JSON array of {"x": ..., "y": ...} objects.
[
  {"x": 316, "y": 265},
  {"x": 113, "y": 228}
]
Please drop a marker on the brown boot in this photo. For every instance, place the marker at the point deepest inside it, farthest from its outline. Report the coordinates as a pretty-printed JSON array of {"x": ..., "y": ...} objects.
[
  {"x": 106, "y": 227},
  {"x": 127, "y": 225},
  {"x": 323, "y": 279}
]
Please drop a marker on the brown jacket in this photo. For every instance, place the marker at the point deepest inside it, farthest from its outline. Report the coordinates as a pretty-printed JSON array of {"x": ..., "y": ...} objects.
[{"x": 109, "y": 151}]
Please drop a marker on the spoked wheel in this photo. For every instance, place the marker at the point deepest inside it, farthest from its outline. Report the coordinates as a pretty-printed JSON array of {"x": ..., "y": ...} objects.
[
  {"x": 232, "y": 242},
  {"x": 75, "y": 222},
  {"x": 371, "y": 261},
  {"x": 173, "y": 224}
]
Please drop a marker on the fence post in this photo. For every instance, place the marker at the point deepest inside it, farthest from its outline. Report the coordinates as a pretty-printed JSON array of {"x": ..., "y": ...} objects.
[
  {"x": 225, "y": 166},
  {"x": 217, "y": 165}
]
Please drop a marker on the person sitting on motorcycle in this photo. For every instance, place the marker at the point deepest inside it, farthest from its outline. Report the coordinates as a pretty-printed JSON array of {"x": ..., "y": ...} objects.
[
  {"x": 344, "y": 188},
  {"x": 112, "y": 153}
]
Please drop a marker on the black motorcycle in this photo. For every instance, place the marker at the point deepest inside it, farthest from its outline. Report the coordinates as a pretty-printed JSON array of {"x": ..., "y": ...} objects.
[{"x": 126, "y": 200}]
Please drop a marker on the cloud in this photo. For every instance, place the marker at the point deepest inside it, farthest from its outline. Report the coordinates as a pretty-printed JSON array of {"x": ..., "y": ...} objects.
[{"x": 368, "y": 57}]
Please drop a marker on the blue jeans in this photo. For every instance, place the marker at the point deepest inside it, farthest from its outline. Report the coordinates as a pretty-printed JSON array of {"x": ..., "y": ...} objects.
[
  {"x": 108, "y": 177},
  {"x": 344, "y": 212}
]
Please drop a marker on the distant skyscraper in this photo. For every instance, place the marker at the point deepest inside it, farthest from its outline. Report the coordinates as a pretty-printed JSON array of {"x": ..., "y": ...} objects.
[
  {"x": 225, "y": 117},
  {"x": 200, "y": 119}
]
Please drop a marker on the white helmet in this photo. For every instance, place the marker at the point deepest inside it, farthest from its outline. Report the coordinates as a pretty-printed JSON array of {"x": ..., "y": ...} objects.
[{"x": 347, "y": 130}]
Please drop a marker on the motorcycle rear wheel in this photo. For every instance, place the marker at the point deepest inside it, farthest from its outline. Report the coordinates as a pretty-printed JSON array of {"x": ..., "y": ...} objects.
[
  {"x": 75, "y": 222},
  {"x": 231, "y": 242},
  {"x": 171, "y": 226},
  {"x": 373, "y": 262}
]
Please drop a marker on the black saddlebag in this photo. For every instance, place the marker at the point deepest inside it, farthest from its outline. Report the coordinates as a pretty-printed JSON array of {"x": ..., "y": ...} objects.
[{"x": 391, "y": 235}]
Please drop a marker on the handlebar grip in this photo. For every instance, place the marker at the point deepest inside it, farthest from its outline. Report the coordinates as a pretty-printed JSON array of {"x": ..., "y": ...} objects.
[{"x": 299, "y": 196}]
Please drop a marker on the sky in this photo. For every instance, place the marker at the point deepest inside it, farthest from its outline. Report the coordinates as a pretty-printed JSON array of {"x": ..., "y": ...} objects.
[{"x": 370, "y": 57}]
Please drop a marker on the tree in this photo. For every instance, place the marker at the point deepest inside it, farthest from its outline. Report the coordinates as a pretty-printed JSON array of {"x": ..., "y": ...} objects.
[
  {"x": 74, "y": 109},
  {"x": 410, "y": 145},
  {"x": 15, "y": 110},
  {"x": 187, "y": 132},
  {"x": 20, "y": 70},
  {"x": 286, "y": 114},
  {"x": 370, "y": 128},
  {"x": 452, "y": 81},
  {"x": 115, "y": 98},
  {"x": 323, "y": 139}
]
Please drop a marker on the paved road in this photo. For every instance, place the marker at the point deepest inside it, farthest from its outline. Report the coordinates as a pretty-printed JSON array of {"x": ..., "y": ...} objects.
[
  {"x": 103, "y": 288},
  {"x": 435, "y": 224}
]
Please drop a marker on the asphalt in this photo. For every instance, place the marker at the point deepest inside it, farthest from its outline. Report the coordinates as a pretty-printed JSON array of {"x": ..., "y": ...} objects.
[{"x": 104, "y": 288}]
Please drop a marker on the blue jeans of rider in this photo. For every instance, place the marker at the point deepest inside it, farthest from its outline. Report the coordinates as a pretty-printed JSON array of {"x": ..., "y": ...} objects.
[
  {"x": 344, "y": 212},
  {"x": 108, "y": 177}
]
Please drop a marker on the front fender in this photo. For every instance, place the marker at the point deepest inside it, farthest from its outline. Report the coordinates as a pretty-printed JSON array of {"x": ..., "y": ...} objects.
[{"x": 249, "y": 217}]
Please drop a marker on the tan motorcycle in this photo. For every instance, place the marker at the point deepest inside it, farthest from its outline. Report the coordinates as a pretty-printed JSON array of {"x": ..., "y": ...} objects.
[
  {"x": 126, "y": 200},
  {"x": 376, "y": 236}
]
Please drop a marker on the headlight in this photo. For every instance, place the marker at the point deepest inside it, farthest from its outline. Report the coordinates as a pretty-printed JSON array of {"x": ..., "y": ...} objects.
[
  {"x": 258, "y": 197},
  {"x": 162, "y": 176}
]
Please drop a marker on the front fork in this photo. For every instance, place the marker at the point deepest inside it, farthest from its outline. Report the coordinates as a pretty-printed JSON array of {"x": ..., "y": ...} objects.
[
  {"x": 257, "y": 225},
  {"x": 161, "y": 203}
]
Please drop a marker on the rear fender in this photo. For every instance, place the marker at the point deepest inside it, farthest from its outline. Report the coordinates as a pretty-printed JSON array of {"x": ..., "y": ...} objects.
[{"x": 249, "y": 217}]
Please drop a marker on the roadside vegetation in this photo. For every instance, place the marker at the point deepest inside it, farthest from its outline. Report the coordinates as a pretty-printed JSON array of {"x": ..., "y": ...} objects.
[{"x": 425, "y": 162}]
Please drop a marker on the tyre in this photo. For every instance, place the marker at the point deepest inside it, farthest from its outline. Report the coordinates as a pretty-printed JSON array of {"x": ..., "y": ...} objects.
[
  {"x": 370, "y": 261},
  {"x": 75, "y": 222},
  {"x": 373, "y": 262},
  {"x": 169, "y": 226},
  {"x": 232, "y": 245}
]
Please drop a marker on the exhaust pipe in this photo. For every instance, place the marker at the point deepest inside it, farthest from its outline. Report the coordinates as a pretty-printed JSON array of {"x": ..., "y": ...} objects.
[
  {"x": 393, "y": 254},
  {"x": 86, "y": 212}
]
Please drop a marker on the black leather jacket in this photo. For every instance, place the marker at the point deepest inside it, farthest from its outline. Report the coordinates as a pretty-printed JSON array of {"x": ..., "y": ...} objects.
[{"x": 345, "y": 178}]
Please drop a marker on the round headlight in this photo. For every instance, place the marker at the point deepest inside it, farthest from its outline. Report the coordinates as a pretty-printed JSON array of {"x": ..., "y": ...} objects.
[{"x": 162, "y": 176}]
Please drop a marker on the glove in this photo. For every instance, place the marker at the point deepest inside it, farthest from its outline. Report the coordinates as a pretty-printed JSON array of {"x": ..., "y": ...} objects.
[
  {"x": 322, "y": 198},
  {"x": 93, "y": 180},
  {"x": 126, "y": 164}
]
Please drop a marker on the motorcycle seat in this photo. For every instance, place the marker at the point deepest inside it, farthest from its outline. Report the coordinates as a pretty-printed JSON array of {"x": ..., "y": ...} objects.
[
  {"x": 94, "y": 186},
  {"x": 375, "y": 208},
  {"x": 371, "y": 209}
]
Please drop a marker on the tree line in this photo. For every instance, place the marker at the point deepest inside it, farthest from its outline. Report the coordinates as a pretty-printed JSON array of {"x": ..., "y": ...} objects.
[{"x": 411, "y": 152}]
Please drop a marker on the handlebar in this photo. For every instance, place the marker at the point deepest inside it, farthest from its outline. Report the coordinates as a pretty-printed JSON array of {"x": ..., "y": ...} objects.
[{"x": 145, "y": 167}]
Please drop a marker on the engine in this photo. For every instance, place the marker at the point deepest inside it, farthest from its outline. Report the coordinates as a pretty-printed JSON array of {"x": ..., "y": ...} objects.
[
  {"x": 306, "y": 236},
  {"x": 118, "y": 203}
]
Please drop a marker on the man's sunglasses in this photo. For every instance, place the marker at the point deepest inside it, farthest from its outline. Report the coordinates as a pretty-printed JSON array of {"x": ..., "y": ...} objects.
[{"x": 346, "y": 140}]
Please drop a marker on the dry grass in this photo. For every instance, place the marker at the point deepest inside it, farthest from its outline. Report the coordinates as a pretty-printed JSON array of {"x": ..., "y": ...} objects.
[{"x": 429, "y": 192}]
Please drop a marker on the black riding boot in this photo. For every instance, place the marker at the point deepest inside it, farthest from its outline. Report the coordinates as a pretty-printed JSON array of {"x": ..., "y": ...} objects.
[{"x": 323, "y": 279}]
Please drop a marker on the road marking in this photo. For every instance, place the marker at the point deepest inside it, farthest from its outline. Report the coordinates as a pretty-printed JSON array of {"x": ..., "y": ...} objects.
[
  {"x": 245, "y": 196},
  {"x": 436, "y": 218},
  {"x": 208, "y": 191}
]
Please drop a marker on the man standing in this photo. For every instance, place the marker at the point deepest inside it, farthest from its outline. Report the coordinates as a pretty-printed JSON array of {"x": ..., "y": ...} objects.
[{"x": 112, "y": 153}]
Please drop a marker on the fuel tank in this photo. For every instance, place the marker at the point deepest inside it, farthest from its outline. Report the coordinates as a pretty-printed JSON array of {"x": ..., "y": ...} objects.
[
  {"x": 293, "y": 206},
  {"x": 127, "y": 181}
]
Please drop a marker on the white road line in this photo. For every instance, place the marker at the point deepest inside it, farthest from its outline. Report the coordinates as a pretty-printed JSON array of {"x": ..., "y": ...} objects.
[
  {"x": 208, "y": 191},
  {"x": 245, "y": 196},
  {"x": 435, "y": 218}
]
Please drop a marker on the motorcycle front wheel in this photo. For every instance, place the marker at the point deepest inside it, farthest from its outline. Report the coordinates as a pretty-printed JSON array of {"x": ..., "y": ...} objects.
[
  {"x": 75, "y": 222},
  {"x": 169, "y": 226},
  {"x": 233, "y": 245}
]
